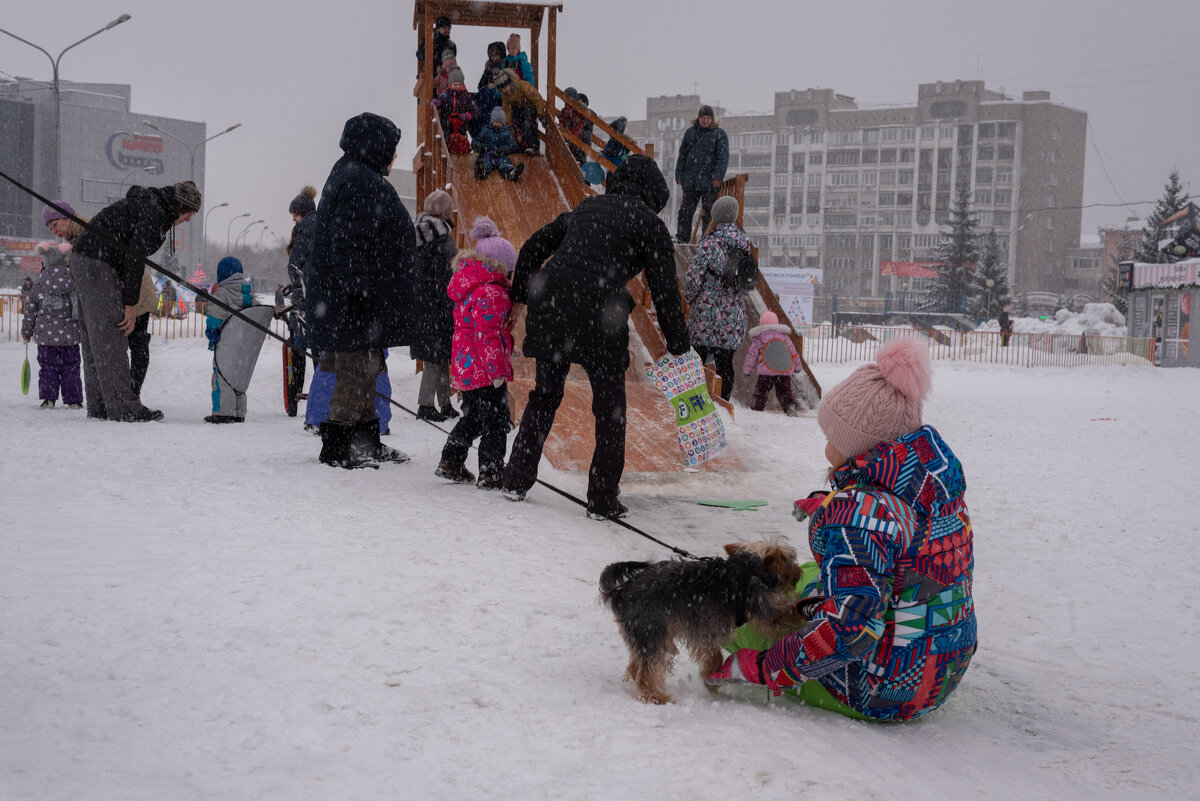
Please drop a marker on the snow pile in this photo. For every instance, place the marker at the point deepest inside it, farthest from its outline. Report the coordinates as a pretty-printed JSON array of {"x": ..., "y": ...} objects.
[{"x": 1096, "y": 319}]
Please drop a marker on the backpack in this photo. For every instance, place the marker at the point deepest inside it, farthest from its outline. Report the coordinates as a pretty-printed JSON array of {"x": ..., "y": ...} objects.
[
  {"x": 457, "y": 143},
  {"x": 741, "y": 271},
  {"x": 776, "y": 357}
]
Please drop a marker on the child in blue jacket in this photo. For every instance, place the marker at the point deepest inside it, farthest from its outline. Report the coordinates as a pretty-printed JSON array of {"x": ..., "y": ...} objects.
[
  {"x": 495, "y": 144},
  {"x": 233, "y": 289}
]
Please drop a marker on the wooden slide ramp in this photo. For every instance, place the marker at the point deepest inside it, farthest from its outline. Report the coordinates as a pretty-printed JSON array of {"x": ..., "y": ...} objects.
[{"x": 519, "y": 209}]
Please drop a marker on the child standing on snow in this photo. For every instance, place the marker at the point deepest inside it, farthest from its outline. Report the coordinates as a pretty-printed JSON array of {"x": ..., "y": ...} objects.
[
  {"x": 894, "y": 630},
  {"x": 481, "y": 361},
  {"x": 52, "y": 317},
  {"x": 773, "y": 356},
  {"x": 233, "y": 289},
  {"x": 495, "y": 144}
]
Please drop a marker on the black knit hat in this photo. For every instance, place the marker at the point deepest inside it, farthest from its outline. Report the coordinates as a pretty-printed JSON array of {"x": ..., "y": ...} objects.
[
  {"x": 442, "y": 22},
  {"x": 187, "y": 196},
  {"x": 303, "y": 203},
  {"x": 706, "y": 111}
]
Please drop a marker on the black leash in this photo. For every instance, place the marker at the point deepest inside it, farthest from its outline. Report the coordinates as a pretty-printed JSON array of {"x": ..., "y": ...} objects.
[{"x": 108, "y": 239}]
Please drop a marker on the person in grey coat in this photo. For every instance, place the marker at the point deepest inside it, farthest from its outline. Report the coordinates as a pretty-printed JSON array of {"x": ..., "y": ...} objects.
[
  {"x": 699, "y": 170},
  {"x": 51, "y": 317},
  {"x": 433, "y": 311},
  {"x": 232, "y": 289}
]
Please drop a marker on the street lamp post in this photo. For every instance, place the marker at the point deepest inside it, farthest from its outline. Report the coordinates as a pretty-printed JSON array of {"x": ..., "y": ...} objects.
[
  {"x": 262, "y": 234},
  {"x": 204, "y": 233},
  {"x": 244, "y": 230},
  {"x": 990, "y": 283},
  {"x": 228, "y": 227},
  {"x": 133, "y": 174},
  {"x": 57, "y": 96},
  {"x": 192, "y": 148}
]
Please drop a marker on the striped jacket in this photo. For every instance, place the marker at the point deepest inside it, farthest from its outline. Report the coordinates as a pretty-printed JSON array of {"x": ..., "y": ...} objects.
[{"x": 894, "y": 543}]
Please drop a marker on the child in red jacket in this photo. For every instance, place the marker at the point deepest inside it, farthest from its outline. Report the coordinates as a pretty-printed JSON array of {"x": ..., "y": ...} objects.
[{"x": 480, "y": 362}]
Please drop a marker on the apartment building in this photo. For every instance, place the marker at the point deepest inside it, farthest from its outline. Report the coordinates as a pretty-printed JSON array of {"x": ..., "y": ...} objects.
[{"x": 854, "y": 191}]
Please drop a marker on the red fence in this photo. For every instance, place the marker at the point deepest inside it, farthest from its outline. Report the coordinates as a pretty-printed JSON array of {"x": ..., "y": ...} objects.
[
  {"x": 847, "y": 343},
  {"x": 184, "y": 320}
]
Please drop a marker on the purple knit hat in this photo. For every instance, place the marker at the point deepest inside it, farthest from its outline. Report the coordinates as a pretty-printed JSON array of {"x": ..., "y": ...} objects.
[
  {"x": 879, "y": 401},
  {"x": 49, "y": 213},
  {"x": 490, "y": 245}
]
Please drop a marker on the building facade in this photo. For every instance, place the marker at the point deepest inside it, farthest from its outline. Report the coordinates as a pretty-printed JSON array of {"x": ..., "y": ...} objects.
[
  {"x": 835, "y": 187},
  {"x": 105, "y": 149}
]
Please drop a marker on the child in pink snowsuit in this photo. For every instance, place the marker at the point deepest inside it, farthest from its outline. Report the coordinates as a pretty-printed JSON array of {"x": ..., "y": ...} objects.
[
  {"x": 774, "y": 356},
  {"x": 480, "y": 361}
]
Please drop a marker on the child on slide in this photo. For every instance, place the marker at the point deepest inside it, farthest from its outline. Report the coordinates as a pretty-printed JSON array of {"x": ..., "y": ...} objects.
[{"x": 893, "y": 630}]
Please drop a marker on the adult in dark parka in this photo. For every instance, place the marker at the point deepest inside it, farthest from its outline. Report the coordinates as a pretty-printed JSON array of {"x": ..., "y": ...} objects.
[
  {"x": 699, "y": 171},
  {"x": 578, "y": 313},
  {"x": 433, "y": 310},
  {"x": 359, "y": 287}
]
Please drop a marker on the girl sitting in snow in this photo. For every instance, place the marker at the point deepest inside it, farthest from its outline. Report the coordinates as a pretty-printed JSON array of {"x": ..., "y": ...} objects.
[
  {"x": 481, "y": 363},
  {"x": 773, "y": 356},
  {"x": 892, "y": 630}
]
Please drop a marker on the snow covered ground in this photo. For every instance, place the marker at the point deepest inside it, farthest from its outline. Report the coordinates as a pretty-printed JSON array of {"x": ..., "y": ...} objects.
[{"x": 205, "y": 612}]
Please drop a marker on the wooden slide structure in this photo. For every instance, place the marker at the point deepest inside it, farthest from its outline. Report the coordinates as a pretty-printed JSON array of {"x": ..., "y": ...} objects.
[{"x": 551, "y": 184}]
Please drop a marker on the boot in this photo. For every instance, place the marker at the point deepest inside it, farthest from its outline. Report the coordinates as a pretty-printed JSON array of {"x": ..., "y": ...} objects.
[
  {"x": 47, "y": 404},
  {"x": 338, "y": 448},
  {"x": 490, "y": 481},
  {"x": 616, "y": 511},
  {"x": 364, "y": 445},
  {"x": 430, "y": 413},
  {"x": 142, "y": 415},
  {"x": 449, "y": 412},
  {"x": 454, "y": 471}
]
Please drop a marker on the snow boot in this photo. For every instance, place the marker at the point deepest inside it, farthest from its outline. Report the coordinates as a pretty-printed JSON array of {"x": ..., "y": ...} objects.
[
  {"x": 449, "y": 412},
  {"x": 47, "y": 404},
  {"x": 490, "y": 481},
  {"x": 429, "y": 413},
  {"x": 616, "y": 511},
  {"x": 339, "y": 449},
  {"x": 454, "y": 471}
]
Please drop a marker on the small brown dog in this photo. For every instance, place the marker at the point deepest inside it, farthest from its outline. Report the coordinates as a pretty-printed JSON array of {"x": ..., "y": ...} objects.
[{"x": 698, "y": 602}]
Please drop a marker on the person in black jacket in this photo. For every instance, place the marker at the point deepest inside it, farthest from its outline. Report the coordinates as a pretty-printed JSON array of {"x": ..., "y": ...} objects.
[
  {"x": 441, "y": 42},
  {"x": 433, "y": 311},
  {"x": 108, "y": 278},
  {"x": 578, "y": 313},
  {"x": 358, "y": 290},
  {"x": 303, "y": 209},
  {"x": 699, "y": 171}
]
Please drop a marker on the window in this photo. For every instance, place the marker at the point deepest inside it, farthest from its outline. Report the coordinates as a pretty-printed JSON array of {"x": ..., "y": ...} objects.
[
  {"x": 908, "y": 134},
  {"x": 783, "y": 139},
  {"x": 1003, "y": 219},
  {"x": 904, "y": 198},
  {"x": 756, "y": 160},
  {"x": 983, "y": 196},
  {"x": 758, "y": 201},
  {"x": 843, "y": 179},
  {"x": 904, "y": 241},
  {"x": 816, "y": 157},
  {"x": 1049, "y": 223},
  {"x": 907, "y": 155},
  {"x": 947, "y": 132},
  {"x": 1004, "y": 175},
  {"x": 781, "y": 180},
  {"x": 811, "y": 241},
  {"x": 904, "y": 219},
  {"x": 926, "y": 160},
  {"x": 1002, "y": 197},
  {"x": 924, "y": 241},
  {"x": 813, "y": 205},
  {"x": 904, "y": 177},
  {"x": 927, "y": 131},
  {"x": 843, "y": 158},
  {"x": 966, "y": 134},
  {"x": 1051, "y": 201},
  {"x": 887, "y": 157},
  {"x": 887, "y": 198},
  {"x": 1006, "y": 152},
  {"x": 1053, "y": 156},
  {"x": 814, "y": 137},
  {"x": 987, "y": 130},
  {"x": 814, "y": 179},
  {"x": 760, "y": 140},
  {"x": 985, "y": 153},
  {"x": 797, "y": 179},
  {"x": 798, "y": 162},
  {"x": 887, "y": 177},
  {"x": 841, "y": 220},
  {"x": 844, "y": 137},
  {"x": 795, "y": 220},
  {"x": 866, "y": 220},
  {"x": 1054, "y": 179},
  {"x": 890, "y": 134},
  {"x": 841, "y": 263},
  {"x": 983, "y": 175},
  {"x": 868, "y": 178},
  {"x": 758, "y": 180},
  {"x": 870, "y": 157},
  {"x": 1008, "y": 130},
  {"x": 943, "y": 180},
  {"x": 871, "y": 136},
  {"x": 1084, "y": 263},
  {"x": 843, "y": 241},
  {"x": 886, "y": 218},
  {"x": 1049, "y": 245},
  {"x": 945, "y": 158}
]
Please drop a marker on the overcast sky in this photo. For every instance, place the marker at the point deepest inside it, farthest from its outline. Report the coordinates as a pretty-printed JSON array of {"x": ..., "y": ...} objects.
[{"x": 293, "y": 73}]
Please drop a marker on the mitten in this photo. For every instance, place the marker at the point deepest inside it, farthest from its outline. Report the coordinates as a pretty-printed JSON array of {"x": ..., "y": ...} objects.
[
  {"x": 744, "y": 666},
  {"x": 497, "y": 382}
]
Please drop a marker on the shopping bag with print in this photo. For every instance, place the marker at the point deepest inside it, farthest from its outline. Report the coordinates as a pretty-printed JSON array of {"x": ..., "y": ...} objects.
[{"x": 698, "y": 426}]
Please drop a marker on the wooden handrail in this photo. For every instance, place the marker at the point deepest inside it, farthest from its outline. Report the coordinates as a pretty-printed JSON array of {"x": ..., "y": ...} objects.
[{"x": 595, "y": 119}]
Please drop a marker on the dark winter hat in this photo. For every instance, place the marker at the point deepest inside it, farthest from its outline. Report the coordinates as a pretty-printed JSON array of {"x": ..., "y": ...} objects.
[
  {"x": 49, "y": 213},
  {"x": 226, "y": 267},
  {"x": 706, "y": 111},
  {"x": 571, "y": 92},
  {"x": 303, "y": 203},
  {"x": 879, "y": 401},
  {"x": 725, "y": 210},
  {"x": 442, "y": 22},
  {"x": 502, "y": 80},
  {"x": 187, "y": 196},
  {"x": 497, "y": 49},
  {"x": 498, "y": 116},
  {"x": 455, "y": 75},
  {"x": 439, "y": 204}
]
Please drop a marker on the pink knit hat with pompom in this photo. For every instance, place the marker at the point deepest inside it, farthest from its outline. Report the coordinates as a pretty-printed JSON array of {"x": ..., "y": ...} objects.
[
  {"x": 879, "y": 401},
  {"x": 490, "y": 245},
  {"x": 768, "y": 318}
]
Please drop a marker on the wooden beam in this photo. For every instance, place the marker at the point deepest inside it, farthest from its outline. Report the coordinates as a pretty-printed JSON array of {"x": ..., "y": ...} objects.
[{"x": 551, "y": 48}]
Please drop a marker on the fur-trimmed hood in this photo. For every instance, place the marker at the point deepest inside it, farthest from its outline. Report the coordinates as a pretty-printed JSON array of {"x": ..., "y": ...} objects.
[
  {"x": 762, "y": 329},
  {"x": 464, "y": 258}
]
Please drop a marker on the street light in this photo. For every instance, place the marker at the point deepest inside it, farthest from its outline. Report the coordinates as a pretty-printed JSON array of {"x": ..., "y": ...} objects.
[
  {"x": 57, "y": 97},
  {"x": 247, "y": 214},
  {"x": 264, "y": 231},
  {"x": 991, "y": 282},
  {"x": 133, "y": 174},
  {"x": 204, "y": 233},
  {"x": 244, "y": 230},
  {"x": 189, "y": 145}
]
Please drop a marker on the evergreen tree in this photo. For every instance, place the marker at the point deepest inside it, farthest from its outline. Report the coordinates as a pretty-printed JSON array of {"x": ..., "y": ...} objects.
[
  {"x": 1173, "y": 199},
  {"x": 957, "y": 254},
  {"x": 987, "y": 301}
]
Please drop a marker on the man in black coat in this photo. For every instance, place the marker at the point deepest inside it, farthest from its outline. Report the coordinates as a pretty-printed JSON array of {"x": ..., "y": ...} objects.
[
  {"x": 358, "y": 292},
  {"x": 108, "y": 278},
  {"x": 578, "y": 313},
  {"x": 699, "y": 171}
]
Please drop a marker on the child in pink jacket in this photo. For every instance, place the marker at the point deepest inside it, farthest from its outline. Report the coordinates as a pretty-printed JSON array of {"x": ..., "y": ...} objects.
[
  {"x": 480, "y": 363},
  {"x": 774, "y": 356}
]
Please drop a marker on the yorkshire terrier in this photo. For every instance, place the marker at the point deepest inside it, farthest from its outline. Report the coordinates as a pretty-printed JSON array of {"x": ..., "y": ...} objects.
[{"x": 700, "y": 603}]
